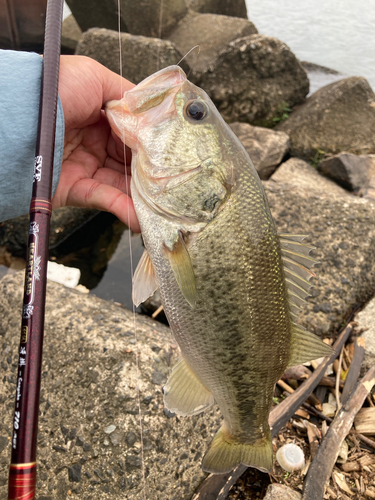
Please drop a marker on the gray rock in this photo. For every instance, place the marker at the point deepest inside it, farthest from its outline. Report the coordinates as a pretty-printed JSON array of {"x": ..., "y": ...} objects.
[
  {"x": 68, "y": 314},
  {"x": 266, "y": 147},
  {"x": 303, "y": 176},
  {"x": 64, "y": 221},
  {"x": 4, "y": 441},
  {"x": 369, "y": 191},
  {"x": 320, "y": 76},
  {"x": 158, "y": 378},
  {"x": 255, "y": 79},
  {"x": 366, "y": 320},
  {"x": 338, "y": 117},
  {"x": 341, "y": 226},
  {"x": 74, "y": 473},
  {"x": 281, "y": 492},
  {"x": 95, "y": 13},
  {"x": 70, "y": 33},
  {"x": 146, "y": 18},
  {"x": 352, "y": 172},
  {"x": 141, "y": 56},
  {"x": 131, "y": 438},
  {"x": 235, "y": 8},
  {"x": 212, "y": 33}
]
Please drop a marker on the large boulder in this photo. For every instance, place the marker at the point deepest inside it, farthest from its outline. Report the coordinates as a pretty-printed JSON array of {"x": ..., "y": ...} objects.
[
  {"x": 95, "y": 14},
  {"x": 139, "y": 18},
  {"x": 338, "y": 117},
  {"x": 255, "y": 79},
  {"x": 212, "y": 33},
  {"x": 64, "y": 222},
  {"x": 70, "y": 33},
  {"x": 152, "y": 19},
  {"x": 342, "y": 228},
  {"x": 89, "y": 431},
  {"x": 141, "y": 56},
  {"x": 266, "y": 147},
  {"x": 366, "y": 323},
  {"x": 235, "y": 8},
  {"x": 352, "y": 172}
]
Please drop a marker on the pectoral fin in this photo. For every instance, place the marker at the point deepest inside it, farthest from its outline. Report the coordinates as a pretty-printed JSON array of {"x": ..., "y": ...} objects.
[
  {"x": 184, "y": 394},
  {"x": 182, "y": 268},
  {"x": 144, "y": 280}
]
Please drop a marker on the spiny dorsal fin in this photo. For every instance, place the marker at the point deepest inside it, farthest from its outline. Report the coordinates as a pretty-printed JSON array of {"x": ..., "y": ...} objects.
[
  {"x": 305, "y": 346},
  {"x": 297, "y": 263},
  {"x": 182, "y": 268},
  {"x": 144, "y": 280}
]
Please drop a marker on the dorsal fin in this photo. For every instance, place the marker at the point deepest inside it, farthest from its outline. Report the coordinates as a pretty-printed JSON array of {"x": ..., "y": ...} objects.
[{"x": 297, "y": 263}]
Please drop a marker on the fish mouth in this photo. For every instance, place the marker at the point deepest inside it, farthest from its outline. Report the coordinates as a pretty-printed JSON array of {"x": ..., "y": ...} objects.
[{"x": 127, "y": 115}]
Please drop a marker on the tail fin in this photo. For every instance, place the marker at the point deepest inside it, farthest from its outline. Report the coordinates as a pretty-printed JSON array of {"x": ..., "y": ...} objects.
[{"x": 225, "y": 453}]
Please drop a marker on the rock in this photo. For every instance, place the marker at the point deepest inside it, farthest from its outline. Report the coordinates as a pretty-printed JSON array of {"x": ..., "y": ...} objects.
[
  {"x": 366, "y": 320},
  {"x": 64, "y": 222},
  {"x": 235, "y": 8},
  {"x": 304, "y": 202},
  {"x": 74, "y": 473},
  {"x": 369, "y": 191},
  {"x": 255, "y": 79},
  {"x": 266, "y": 147},
  {"x": 70, "y": 33},
  {"x": 73, "y": 349},
  {"x": 4, "y": 441},
  {"x": 95, "y": 13},
  {"x": 146, "y": 18},
  {"x": 158, "y": 378},
  {"x": 303, "y": 176},
  {"x": 338, "y": 117},
  {"x": 141, "y": 56},
  {"x": 352, "y": 172},
  {"x": 281, "y": 492},
  {"x": 212, "y": 33},
  {"x": 320, "y": 76}
]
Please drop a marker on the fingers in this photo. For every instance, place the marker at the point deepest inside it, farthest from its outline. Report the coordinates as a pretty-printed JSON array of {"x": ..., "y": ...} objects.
[{"x": 93, "y": 194}]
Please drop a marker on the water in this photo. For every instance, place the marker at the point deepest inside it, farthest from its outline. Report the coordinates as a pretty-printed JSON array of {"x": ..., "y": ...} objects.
[{"x": 339, "y": 34}]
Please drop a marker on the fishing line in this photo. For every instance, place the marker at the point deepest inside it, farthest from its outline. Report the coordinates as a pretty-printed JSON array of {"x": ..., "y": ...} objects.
[
  {"x": 185, "y": 56},
  {"x": 132, "y": 271},
  {"x": 160, "y": 26}
]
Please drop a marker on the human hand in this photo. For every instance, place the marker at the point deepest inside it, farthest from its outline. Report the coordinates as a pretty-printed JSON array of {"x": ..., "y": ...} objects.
[{"x": 93, "y": 172}]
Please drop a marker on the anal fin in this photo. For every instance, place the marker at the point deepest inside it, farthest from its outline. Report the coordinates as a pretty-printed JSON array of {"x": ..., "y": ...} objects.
[
  {"x": 184, "y": 394},
  {"x": 305, "y": 346}
]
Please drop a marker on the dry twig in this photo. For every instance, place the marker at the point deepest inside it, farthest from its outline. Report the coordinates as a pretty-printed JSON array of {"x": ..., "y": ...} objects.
[{"x": 321, "y": 467}]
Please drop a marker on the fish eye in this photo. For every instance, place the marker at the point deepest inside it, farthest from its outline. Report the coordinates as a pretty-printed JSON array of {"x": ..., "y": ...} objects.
[{"x": 196, "y": 110}]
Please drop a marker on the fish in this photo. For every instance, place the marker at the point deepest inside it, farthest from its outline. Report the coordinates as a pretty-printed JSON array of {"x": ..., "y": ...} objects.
[{"x": 229, "y": 283}]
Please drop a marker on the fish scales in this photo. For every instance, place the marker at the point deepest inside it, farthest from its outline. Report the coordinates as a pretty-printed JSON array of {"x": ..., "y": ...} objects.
[{"x": 213, "y": 251}]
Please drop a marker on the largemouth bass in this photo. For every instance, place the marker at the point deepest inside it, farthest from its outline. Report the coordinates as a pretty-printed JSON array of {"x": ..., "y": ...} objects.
[{"x": 228, "y": 282}]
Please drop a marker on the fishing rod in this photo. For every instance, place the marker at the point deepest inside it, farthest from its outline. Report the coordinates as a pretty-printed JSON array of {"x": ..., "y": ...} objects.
[{"x": 22, "y": 471}]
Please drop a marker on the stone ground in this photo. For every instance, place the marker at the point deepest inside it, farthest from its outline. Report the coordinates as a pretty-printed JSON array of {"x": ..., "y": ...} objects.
[{"x": 89, "y": 438}]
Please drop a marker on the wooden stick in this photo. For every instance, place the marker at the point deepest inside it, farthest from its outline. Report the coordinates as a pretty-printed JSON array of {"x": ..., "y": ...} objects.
[
  {"x": 330, "y": 382},
  {"x": 217, "y": 486},
  {"x": 157, "y": 312},
  {"x": 337, "y": 385},
  {"x": 355, "y": 368},
  {"x": 321, "y": 467}
]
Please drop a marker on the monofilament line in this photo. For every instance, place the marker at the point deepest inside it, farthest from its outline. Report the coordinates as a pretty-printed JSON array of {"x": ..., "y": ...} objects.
[
  {"x": 160, "y": 29},
  {"x": 132, "y": 271}
]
